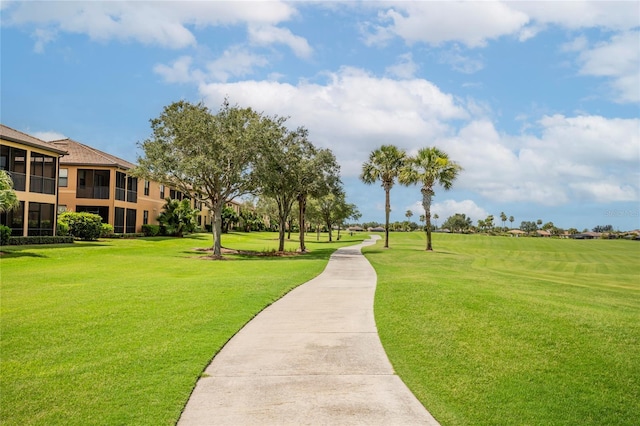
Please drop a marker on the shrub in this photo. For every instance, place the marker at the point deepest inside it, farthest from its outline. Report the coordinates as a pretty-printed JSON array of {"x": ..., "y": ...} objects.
[
  {"x": 150, "y": 230},
  {"x": 85, "y": 226},
  {"x": 5, "y": 233},
  {"x": 106, "y": 231},
  {"x": 62, "y": 229},
  {"x": 21, "y": 241}
]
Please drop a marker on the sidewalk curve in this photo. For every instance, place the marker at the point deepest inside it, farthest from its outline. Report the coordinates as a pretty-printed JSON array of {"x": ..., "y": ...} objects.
[{"x": 311, "y": 358}]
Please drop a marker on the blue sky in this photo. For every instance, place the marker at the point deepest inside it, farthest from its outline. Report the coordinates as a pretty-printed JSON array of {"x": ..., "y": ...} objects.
[{"x": 538, "y": 101}]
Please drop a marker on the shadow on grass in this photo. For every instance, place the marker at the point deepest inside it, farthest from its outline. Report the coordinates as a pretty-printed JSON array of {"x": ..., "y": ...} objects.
[
  {"x": 18, "y": 253},
  {"x": 267, "y": 255}
]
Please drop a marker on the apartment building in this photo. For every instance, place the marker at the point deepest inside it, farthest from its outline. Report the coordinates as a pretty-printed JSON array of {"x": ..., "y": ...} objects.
[
  {"x": 97, "y": 182},
  {"x": 33, "y": 164}
]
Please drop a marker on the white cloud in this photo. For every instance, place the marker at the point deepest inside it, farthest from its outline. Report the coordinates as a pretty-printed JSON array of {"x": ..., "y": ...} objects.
[
  {"x": 460, "y": 62},
  {"x": 178, "y": 72},
  {"x": 165, "y": 24},
  {"x": 571, "y": 159},
  {"x": 612, "y": 15},
  {"x": 265, "y": 35},
  {"x": 404, "y": 68},
  {"x": 470, "y": 23},
  {"x": 234, "y": 62},
  {"x": 49, "y": 135},
  {"x": 618, "y": 59},
  {"x": 352, "y": 112}
]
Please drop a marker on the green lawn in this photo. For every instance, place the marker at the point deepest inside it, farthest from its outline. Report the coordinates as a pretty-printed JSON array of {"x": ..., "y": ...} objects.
[
  {"x": 118, "y": 331},
  {"x": 513, "y": 331}
]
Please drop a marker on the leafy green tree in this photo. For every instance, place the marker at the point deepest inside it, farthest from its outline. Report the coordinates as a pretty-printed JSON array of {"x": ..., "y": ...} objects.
[
  {"x": 430, "y": 167},
  {"x": 333, "y": 209},
  {"x": 528, "y": 226},
  {"x": 320, "y": 175},
  {"x": 384, "y": 165},
  {"x": 488, "y": 222},
  {"x": 208, "y": 156},
  {"x": 8, "y": 198},
  {"x": 459, "y": 222},
  {"x": 229, "y": 218},
  {"x": 177, "y": 217},
  {"x": 290, "y": 168}
]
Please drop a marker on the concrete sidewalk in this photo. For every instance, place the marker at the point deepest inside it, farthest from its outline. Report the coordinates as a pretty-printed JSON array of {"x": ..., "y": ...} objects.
[{"x": 311, "y": 358}]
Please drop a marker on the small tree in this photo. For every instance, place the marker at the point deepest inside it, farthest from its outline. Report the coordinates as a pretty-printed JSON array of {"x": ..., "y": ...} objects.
[{"x": 178, "y": 217}]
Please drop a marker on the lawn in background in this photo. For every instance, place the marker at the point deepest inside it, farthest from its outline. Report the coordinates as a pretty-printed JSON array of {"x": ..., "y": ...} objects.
[
  {"x": 118, "y": 331},
  {"x": 513, "y": 331}
]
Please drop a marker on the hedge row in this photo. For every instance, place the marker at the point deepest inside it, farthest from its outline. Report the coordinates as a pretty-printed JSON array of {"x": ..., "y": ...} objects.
[{"x": 21, "y": 241}]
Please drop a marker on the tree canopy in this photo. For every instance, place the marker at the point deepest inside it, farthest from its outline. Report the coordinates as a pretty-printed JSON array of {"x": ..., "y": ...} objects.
[
  {"x": 430, "y": 167},
  {"x": 384, "y": 165},
  {"x": 208, "y": 156}
]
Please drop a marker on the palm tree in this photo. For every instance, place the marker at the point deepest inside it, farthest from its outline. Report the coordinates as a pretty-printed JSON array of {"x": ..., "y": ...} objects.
[
  {"x": 436, "y": 217},
  {"x": 384, "y": 165},
  {"x": 511, "y": 219},
  {"x": 503, "y": 218},
  {"x": 8, "y": 198},
  {"x": 429, "y": 167}
]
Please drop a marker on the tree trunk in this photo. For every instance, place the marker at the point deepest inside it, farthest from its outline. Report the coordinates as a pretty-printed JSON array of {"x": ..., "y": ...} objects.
[
  {"x": 387, "y": 210},
  {"x": 427, "y": 193},
  {"x": 216, "y": 227},
  {"x": 281, "y": 235},
  {"x": 302, "y": 205},
  {"x": 329, "y": 228}
]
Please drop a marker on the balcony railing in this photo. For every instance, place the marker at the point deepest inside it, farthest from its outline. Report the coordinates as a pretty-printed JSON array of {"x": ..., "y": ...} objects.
[
  {"x": 96, "y": 192},
  {"x": 19, "y": 180},
  {"x": 120, "y": 194},
  {"x": 132, "y": 196},
  {"x": 42, "y": 185}
]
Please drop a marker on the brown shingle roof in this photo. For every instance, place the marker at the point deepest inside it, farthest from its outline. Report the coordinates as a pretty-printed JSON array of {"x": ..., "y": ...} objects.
[
  {"x": 13, "y": 135},
  {"x": 81, "y": 154}
]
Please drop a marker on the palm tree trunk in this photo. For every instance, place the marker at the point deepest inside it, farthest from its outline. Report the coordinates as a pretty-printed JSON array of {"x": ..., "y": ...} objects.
[
  {"x": 427, "y": 194},
  {"x": 387, "y": 209}
]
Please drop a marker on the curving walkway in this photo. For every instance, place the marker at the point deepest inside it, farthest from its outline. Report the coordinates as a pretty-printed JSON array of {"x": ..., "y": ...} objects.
[{"x": 312, "y": 358}]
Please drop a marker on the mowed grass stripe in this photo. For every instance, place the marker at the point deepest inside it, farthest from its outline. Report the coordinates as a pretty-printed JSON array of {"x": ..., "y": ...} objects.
[
  {"x": 496, "y": 330},
  {"x": 118, "y": 331}
]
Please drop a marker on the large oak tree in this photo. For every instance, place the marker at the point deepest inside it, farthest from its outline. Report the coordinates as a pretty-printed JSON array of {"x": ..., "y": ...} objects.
[{"x": 208, "y": 156}]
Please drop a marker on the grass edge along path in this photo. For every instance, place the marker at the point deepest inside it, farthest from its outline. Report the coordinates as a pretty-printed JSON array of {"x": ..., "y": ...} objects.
[
  {"x": 512, "y": 331},
  {"x": 118, "y": 331}
]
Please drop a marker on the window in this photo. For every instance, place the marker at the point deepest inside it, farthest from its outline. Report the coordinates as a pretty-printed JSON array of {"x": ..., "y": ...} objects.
[
  {"x": 118, "y": 226},
  {"x": 162, "y": 192},
  {"x": 43, "y": 174},
  {"x": 131, "y": 221},
  {"x": 121, "y": 186},
  {"x": 146, "y": 187},
  {"x": 92, "y": 183},
  {"x": 63, "y": 177},
  {"x": 13, "y": 160},
  {"x": 132, "y": 189},
  {"x": 14, "y": 219},
  {"x": 41, "y": 219},
  {"x": 145, "y": 217}
]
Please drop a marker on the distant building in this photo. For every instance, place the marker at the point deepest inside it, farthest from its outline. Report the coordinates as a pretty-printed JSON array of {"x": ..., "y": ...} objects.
[
  {"x": 33, "y": 165},
  {"x": 97, "y": 182}
]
